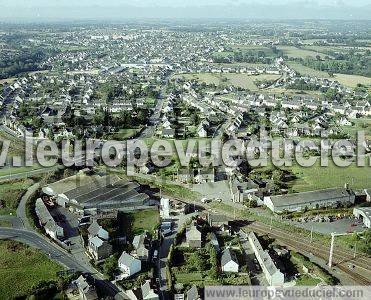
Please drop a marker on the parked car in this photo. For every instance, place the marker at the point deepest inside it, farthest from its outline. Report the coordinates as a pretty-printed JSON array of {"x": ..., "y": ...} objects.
[{"x": 205, "y": 200}]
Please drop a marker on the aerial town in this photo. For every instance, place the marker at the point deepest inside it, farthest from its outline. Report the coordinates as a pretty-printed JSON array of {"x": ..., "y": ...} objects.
[{"x": 169, "y": 231}]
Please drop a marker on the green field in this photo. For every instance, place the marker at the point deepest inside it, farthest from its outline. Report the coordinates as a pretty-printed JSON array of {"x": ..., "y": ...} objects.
[
  {"x": 5, "y": 223},
  {"x": 16, "y": 145},
  {"x": 10, "y": 194},
  {"x": 239, "y": 80},
  {"x": 294, "y": 52},
  {"x": 239, "y": 64},
  {"x": 207, "y": 78},
  {"x": 307, "y": 280},
  {"x": 344, "y": 79},
  {"x": 124, "y": 134},
  {"x": 18, "y": 170},
  {"x": 316, "y": 177},
  {"x": 21, "y": 268},
  {"x": 139, "y": 221},
  {"x": 361, "y": 124},
  {"x": 303, "y": 70},
  {"x": 352, "y": 80},
  {"x": 247, "y": 81}
]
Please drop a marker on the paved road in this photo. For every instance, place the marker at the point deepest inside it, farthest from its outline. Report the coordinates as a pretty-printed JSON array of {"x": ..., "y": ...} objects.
[
  {"x": 35, "y": 240},
  {"x": 54, "y": 252},
  {"x": 28, "y": 173},
  {"x": 25, "y": 233},
  {"x": 21, "y": 210},
  {"x": 15, "y": 221},
  {"x": 149, "y": 131},
  {"x": 164, "y": 251}
]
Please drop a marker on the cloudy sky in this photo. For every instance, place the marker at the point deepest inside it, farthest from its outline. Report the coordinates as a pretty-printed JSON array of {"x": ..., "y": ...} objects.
[{"x": 124, "y": 9}]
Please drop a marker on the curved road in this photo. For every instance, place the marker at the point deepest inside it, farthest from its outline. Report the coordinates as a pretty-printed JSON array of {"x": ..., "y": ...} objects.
[
  {"x": 23, "y": 232},
  {"x": 35, "y": 240}
]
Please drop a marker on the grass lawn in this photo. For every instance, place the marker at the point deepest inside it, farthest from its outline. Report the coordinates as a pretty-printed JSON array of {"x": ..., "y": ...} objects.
[
  {"x": 294, "y": 52},
  {"x": 16, "y": 146},
  {"x": 239, "y": 64},
  {"x": 239, "y": 80},
  {"x": 303, "y": 70},
  {"x": 247, "y": 81},
  {"x": 307, "y": 280},
  {"x": 18, "y": 170},
  {"x": 352, "y": 80},
  {"x": 208, "y": 78},
  {"x": 22, "y": 267},
  {"x": 10, "y": 194},
  {"x": 124, "y": 134},
  {"x": 361, "y": 124},
  {"x": 5, "y": 223},
  {"x": 317, "y": 177},
  {"x": 134, "y": 223}
]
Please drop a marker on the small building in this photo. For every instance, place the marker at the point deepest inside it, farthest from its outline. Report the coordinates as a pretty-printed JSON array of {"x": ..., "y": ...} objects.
[
  {"x": 47, "y": 221},
  {"x": 363, "y": 213},
  {"x": 145, "y": 292},
  {"x": 205, "y": 175},
  {"x": 193, "y": 237},
  {"x": 168, "y": 133},
  {"x": 165, "y": 208},
  {"x": 86, "y": 290},
  {"x": 96, "y": 230},
  {"x": 185, "y": 175},
  {"x": 214, "y": 242},
  {"x": 309, "y": 200},
  {"x": 142, "y": 246},
  {"x": 229, "y": 262},
  {"x": 192, "y": 293},
  {"x": 99, "y": 248},
  {"x": 129, "y": 265},
  {"x": 273, "y": 275}
]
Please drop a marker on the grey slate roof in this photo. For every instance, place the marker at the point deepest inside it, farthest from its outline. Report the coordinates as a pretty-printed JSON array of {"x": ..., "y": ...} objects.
[
  {"x": 307, "y": 197},
  {"x": 192, "y": 293},
  {"x": 227, "y": 256}
]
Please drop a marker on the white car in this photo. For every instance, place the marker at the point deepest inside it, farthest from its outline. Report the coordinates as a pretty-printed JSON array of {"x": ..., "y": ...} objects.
[{"x": 205, "y": 200}]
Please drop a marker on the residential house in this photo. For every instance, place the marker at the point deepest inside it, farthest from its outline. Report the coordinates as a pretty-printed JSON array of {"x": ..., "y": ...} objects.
[
  {"x": 273, "y": 275},
  {"x": 142, "y": 246},
  {"x": 86, "y": 290},
  {"x": 96, "y": 230},
  {"x": 98, "y": 248},
  {"x": 193, "y": 237},
  {"x": 229, "y": 262},
  {"x": 185, "y": 175},
  {"x": 168, "y": 133},
  {"x": 192, "y": 293},
  {"x": 129, "y": 265},
  {"x": 205, "y": 175},
  {"x": 201, "y": 131},
  {"x": 47, "y": 221},
  {"x": 214, "y": 242}
]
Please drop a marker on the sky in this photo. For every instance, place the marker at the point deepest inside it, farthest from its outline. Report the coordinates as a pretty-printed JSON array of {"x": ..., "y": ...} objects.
[
  {"x": 128, "y": 9},
  {"x": 174, "y": 3}
]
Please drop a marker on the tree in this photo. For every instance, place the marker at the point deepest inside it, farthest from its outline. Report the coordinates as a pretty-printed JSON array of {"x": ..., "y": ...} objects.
[{"x": 109, "y": 266}]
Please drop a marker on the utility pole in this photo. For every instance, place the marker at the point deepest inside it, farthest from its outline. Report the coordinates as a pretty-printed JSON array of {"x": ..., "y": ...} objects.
[
  {"x": 333, "y": 234},
  {"x": 331, "y": 249}
]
